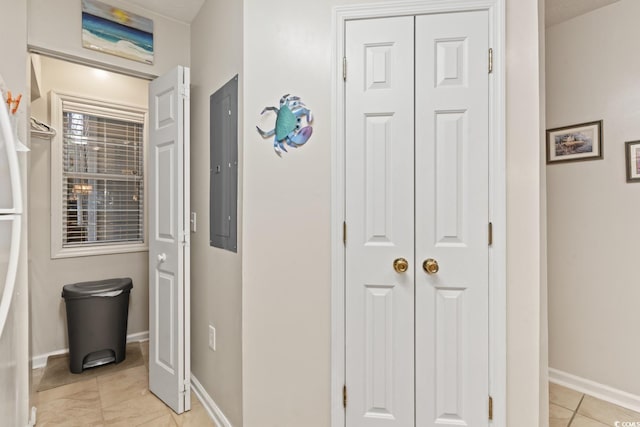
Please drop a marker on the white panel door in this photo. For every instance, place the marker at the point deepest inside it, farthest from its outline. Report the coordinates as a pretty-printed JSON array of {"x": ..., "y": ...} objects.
[
  {"x": 417, "y": 188},
  {"x": 379, "y": 213},
  {"x": 169, "y": 368},
  {"x": 452, "y": 205}
]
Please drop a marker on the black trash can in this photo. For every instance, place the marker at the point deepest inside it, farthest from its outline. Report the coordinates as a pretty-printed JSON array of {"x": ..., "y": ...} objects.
[{"x": 97, "y": 315}]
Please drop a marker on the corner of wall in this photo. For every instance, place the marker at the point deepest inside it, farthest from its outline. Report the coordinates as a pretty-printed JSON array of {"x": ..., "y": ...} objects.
[
  {"x": 524, "y": 222},
  {"x": 216, "y": 275},
  {"x": 544, "y": 323}
]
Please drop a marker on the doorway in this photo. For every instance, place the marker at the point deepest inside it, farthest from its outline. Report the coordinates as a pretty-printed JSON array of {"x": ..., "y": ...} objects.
[
  {"x": 94, "y": 143},
  {"x": 47, "y": 275},
  {"x": 417, "y": 191}
]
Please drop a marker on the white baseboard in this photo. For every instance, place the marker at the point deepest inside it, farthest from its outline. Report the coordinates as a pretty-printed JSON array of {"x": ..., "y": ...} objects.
[
  {"x": 592, "y": 388},
  {"x": 138, "y": 336},
  {"x": 40, "y": 361},
  {"x": 214, "y": 411}
]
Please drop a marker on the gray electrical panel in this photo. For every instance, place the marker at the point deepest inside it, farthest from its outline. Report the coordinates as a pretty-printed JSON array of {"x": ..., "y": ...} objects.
[{"x": 223, "y": 185}]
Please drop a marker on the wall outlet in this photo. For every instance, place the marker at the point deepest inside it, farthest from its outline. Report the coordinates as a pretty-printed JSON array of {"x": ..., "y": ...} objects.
[{"x": 212, "y": 338}]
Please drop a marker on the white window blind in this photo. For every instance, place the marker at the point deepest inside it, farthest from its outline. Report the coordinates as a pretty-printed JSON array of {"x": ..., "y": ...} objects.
[
  {"x": 97, "y": 182},
  {"x": 103, "y": 180}
]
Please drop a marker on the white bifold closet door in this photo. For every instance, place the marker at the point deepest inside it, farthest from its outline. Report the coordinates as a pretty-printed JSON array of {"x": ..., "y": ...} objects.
[
  {"x": 417, "y": 191},
  {"x": 169, "y": 240}
]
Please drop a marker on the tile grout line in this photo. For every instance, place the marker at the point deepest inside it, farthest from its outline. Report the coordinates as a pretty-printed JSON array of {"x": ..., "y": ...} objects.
[{"x": 576, "y": 411}]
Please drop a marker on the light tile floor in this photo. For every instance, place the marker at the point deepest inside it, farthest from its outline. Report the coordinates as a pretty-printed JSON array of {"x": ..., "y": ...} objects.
[
  {"x": 117, "y": 399},
  {"x": 570, "y": 408},
  {"x": 123, "y": 399}
]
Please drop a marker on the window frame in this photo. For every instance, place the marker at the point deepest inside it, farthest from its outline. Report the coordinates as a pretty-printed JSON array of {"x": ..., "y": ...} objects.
[{"x": 59, "y": 102}]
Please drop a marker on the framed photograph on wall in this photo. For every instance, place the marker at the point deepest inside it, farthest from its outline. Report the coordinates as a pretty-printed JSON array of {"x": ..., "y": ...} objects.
[
  {"x": 633, "y": 161},
  {"x": 575, "y": 143}
]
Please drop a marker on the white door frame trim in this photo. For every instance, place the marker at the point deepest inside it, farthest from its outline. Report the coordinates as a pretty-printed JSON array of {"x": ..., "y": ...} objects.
[{"x": 497, "y": 191}]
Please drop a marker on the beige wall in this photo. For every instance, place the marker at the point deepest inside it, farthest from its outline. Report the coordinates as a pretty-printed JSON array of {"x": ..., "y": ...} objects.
[
  {"x": 287, "y": 202},
  {"x": 56, "y": 25},
  {"x": 286, "y": 265},
  {"x": 47, "y": 276},
  {"x": 592, "y": 74},
  {"x": 216, "y": 274}
]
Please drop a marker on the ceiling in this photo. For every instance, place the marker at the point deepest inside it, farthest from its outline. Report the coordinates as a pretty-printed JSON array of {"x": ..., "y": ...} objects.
[
  {"x": 181, "y": 10},
  {"x": 557, "y": 11}
]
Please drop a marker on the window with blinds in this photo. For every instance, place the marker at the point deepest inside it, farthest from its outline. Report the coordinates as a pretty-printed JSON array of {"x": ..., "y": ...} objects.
[{"x": 102, "y": 178}]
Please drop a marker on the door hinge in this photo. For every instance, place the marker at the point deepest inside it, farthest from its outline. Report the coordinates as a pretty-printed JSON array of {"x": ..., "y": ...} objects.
[
  {"x": 490, "y": 60},
  {"x": 186, "y": 387},
  {"x": 490, "y": 234},
  {"x": 185, "y": 238},
  {"x": 344, "y": 396},
  {"x": 344, "y": 68},
  {"x": 185, "y": 91},
  {"x": 344, "y": 233},
  {"x": 490, "y": 408}
]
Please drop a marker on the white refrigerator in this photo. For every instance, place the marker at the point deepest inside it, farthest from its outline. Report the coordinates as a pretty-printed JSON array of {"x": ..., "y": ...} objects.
[{"x": 14, "y": 332}]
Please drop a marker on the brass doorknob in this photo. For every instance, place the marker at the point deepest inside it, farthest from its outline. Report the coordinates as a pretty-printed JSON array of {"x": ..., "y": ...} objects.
[
  {"x": 400, "y": 265},
  {"x": 430, "y": 266}
]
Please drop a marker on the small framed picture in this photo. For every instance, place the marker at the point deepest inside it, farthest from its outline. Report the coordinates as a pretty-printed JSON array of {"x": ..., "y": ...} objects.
[
  {"x": 633, "y": 161},
  {"x": 575, "y": 143}
]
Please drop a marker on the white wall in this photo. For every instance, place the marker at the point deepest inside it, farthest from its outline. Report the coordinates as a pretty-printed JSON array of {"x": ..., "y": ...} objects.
[
  {"x": 56, "y": 25},
  {"x": 47, "y": 276},
  {"x": 216, "y": 274},
  {"x": 592, "y": 74},
  {"x": 524, "y": 246},
  {"x": 286, "y": 264}
]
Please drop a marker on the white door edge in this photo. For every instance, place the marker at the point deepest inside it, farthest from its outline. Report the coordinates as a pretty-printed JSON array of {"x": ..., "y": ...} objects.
[
  {"x": 186, "y": 226},
  {"x": 497, "y": 191}
]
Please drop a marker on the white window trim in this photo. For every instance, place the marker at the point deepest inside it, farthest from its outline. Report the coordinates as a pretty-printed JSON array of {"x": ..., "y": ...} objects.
[{"x": 100, "y": 107}]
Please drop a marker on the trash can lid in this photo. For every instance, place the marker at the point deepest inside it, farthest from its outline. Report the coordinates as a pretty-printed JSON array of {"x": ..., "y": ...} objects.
[{"x": 96, "y": 288}]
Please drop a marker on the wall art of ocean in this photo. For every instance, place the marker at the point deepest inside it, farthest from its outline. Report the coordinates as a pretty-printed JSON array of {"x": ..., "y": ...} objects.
[{"x": 115, "y": 38}]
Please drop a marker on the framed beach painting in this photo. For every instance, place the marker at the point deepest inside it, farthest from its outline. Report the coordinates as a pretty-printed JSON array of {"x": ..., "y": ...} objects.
[
  {"x": 633, "y": 161},
  {"x": 117, "y": 32},
  {"x": 575, "y": 143}
]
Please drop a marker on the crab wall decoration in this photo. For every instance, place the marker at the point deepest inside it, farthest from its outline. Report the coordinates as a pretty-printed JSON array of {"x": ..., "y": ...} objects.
[{"x": 288, "y": 128}]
